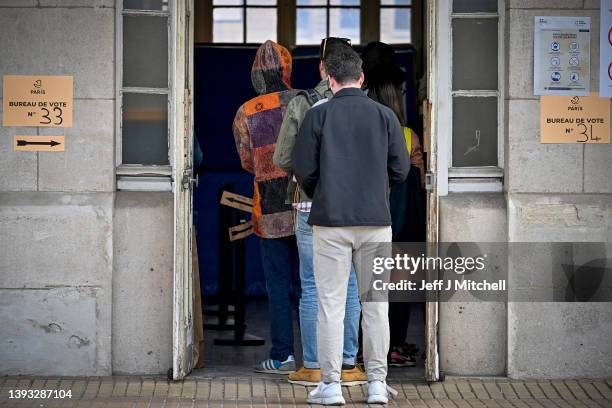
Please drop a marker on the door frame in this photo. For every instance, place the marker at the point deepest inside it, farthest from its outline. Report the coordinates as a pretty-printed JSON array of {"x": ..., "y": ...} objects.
[
  {"x": 430, "y": 112},
  {"x": 181, "y": 128},
  {"x": 181, "y": 123}
]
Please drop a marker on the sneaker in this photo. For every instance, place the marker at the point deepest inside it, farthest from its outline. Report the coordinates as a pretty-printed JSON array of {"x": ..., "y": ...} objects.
[
  {"x": 353, "y": 376},
  {"x": 305, "y": 376},
  {"x": 378, "y": 392},
  {"x": 271, "y": 366},
  {"x": 326, "y": 394},
  {"x": 396, "y": 359}
]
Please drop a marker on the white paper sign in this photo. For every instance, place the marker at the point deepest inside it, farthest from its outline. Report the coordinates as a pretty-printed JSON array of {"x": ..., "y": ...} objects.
[
  {"x": 605, "y": 46},
  {"x": 562, "y": 56}
]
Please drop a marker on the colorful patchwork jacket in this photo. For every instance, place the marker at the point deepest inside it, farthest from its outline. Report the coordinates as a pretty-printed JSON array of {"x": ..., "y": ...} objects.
[{"x": 256, "y": 127}]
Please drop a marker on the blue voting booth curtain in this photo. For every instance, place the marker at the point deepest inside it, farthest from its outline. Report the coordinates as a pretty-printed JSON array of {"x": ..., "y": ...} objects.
[{"x": 222, "y": 83}]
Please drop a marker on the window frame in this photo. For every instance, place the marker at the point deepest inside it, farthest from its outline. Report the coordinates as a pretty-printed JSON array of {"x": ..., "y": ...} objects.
[
  {"x": 467, "y": 179},
  {"x": 142, "y": 177},
  {"x": 369, "y": 29},
  {"x": 410, "y": 7},
  {"x": 328, "y": 8},
  {"x": 244, "y": 8}
]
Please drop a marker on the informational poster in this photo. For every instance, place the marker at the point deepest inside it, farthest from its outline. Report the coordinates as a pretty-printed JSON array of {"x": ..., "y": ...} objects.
[
  {"x": 605, "y": 46},
  {"x": 32, "y": 100},
  {"x": 575, "y": 119},
  {"x": 562, "y": 56}
]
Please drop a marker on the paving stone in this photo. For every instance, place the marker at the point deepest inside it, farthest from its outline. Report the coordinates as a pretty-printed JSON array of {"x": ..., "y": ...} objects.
[
  {"x": 106, "y": 388},
  {"x": 300, "y": 393},
  {"x": 175, "y": 389},
  {"x": 410, "y": 391},
  {"x": 548, "y": 390},
  {"x": 203, "y": 390},
  {"x": 590, "y": 390},
  {"x": 424, "y": 391},
  {"x": 603, "y": 389},
  {"x": 521, "y": 390},
  {"x": 494, "y": 390},
  {"x": 437, "y": 389},
  {"x": 535, "y": 390},
  {"x": 479, "y": 390},
  {"x": 120, "y": 387},
  {"x": 161, "y": 388},
  {"x": 216, "y": 391},
  {"x": 133, "y": 387},
  {"x": 232, "y": 392},
  {"x": 244, "y": 390},
  {"x": 465, "y": 390},
  {"x": 576, "y": 390},
  {"x": 562, "y": 389},
  {"x": 148, "y": 388},
  {"x": 92, "y": 389}
]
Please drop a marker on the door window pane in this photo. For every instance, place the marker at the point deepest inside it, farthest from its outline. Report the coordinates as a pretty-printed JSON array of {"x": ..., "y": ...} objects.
[
  {"x": 261, "y": 24},
  {"x": 474, "y": 131},
  {"x": 311, "y": 2},
  {"x": 159, "y": 5},
  {"x": 396, "y": 2},
  {"x": 311, "y": 26},
  {"x": 261, "y": 2},
  {"x": 345, "y": 2},
  {"x": 145, "y": 51},
  {"x": 475, "y": 54},
  {"x": 395, "y": 25},
  {"x": 145, "y": 129},
  {"x": 344, "y": 23},
  {"x": 227, "y": 2},
  {"x": 227, "y": 25},
  {"x": 475, "y": 6}
]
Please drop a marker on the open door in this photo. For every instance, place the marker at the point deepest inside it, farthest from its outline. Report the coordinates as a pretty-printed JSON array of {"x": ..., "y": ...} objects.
[
  {"x": 183, "y": 180},
  {"x": 432, "y": 361}
]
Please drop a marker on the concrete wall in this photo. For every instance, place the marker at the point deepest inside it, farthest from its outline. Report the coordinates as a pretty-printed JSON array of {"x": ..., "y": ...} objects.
[
  {"x": 85, "y": 273},
  {"x": 142, "y": 283},
  {"x": 555, "y": 192},
  {"x": 481, "y": 349},
  {"x": 56, "y": 209},
  {"x": 55, "y": 286}
]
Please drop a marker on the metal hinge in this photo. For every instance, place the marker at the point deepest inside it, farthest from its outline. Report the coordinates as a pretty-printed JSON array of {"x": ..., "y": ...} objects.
[
  {"x": 430, "y": 180},
  {"x": 188, "y": 180}
]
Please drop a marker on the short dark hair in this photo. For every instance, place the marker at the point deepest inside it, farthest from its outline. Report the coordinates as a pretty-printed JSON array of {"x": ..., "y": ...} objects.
[
  {"x": 328, "y": 44},
  {"x": 344, "y": 65}
]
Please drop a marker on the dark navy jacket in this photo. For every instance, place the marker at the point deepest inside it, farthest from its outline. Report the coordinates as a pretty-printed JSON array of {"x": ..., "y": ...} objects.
[{"x": 348, "y": 153}]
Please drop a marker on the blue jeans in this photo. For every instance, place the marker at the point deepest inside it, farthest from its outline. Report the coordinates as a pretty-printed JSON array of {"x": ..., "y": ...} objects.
[
  {"x": 279, "y": 259},
  {"x": 308, "y": 302}
]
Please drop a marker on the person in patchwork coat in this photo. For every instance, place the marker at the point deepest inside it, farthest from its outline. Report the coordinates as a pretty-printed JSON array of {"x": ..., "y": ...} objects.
[{"x": 256, "y": 127}]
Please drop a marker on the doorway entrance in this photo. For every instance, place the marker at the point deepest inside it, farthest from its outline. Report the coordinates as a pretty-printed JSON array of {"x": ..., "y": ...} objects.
[{"x": 215, "y": 76}]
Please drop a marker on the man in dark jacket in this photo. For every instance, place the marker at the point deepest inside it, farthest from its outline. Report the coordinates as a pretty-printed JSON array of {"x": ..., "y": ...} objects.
[{"x": 348, "y": 153}]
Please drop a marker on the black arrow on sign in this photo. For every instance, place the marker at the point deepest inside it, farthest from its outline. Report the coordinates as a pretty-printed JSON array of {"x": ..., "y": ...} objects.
[{"x": 51, "y": 143}]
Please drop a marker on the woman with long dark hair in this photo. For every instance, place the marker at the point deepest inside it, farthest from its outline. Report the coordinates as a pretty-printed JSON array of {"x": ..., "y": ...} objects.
[{"x": 385, "y": 82}]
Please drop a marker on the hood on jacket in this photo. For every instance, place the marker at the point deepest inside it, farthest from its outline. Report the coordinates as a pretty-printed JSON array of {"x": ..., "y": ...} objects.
[{"x": 271, "y": 70}]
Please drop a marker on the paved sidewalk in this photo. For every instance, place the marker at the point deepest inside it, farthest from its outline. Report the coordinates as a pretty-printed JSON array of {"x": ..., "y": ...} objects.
[{"x": 254, "y": 392}]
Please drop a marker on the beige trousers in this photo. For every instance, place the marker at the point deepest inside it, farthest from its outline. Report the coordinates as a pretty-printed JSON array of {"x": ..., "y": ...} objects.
[{"x": 334, "y": 249}]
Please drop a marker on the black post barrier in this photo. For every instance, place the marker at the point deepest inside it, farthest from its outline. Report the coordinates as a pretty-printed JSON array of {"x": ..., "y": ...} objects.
[{"x": 225, "y": 307}]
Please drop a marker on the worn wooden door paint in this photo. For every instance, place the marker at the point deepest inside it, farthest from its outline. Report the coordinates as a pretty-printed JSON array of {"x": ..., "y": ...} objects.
[
  {"x": 182, "y": 127},
  {"x": 432, "y": 365}
]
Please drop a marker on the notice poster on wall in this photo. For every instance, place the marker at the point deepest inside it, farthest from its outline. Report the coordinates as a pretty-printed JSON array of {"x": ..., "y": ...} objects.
[
  {"x": 37, "y": 100},
  {"x": 562, "y": 56},
  {"x": 605, "y": 46},
  {"x": 574, "y": 119}
]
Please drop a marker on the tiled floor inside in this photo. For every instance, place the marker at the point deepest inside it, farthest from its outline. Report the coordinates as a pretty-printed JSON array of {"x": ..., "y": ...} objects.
[{"x": 233, "y": 361}]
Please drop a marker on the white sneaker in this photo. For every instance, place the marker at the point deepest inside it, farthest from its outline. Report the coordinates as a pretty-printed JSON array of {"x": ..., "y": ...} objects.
[
  {"x": 326, "y": 394},
  {"x": 378, "y": 392}
]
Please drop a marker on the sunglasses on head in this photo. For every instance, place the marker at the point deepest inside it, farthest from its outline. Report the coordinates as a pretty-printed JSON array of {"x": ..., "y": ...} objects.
[{"x": 324, "y": 42}]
